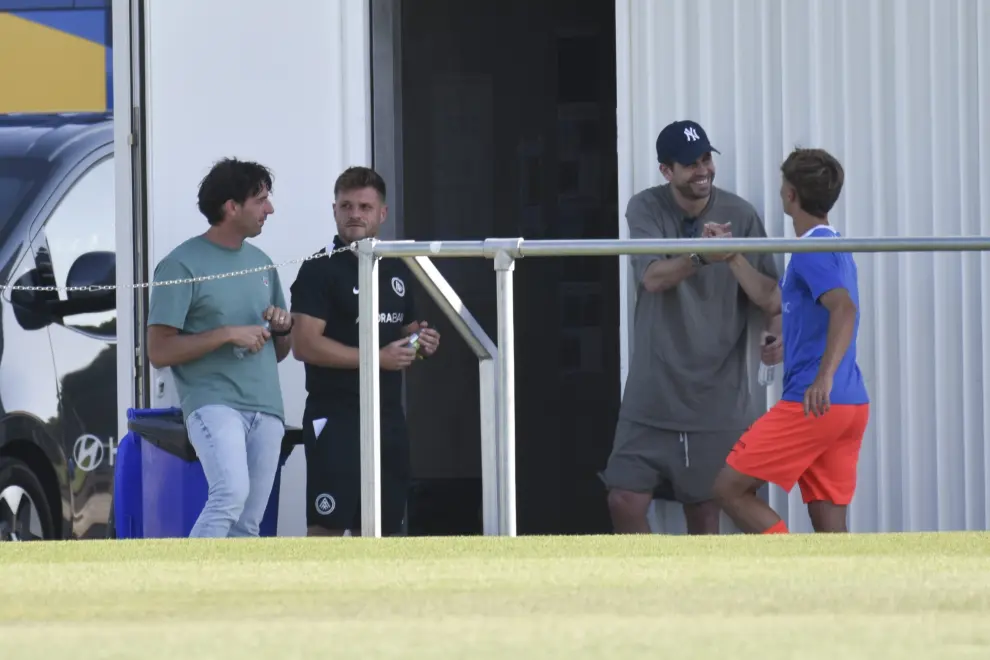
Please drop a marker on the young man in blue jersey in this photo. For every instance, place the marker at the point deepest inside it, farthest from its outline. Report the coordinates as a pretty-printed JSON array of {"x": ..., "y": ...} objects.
[{"x": 812, "y": 436}]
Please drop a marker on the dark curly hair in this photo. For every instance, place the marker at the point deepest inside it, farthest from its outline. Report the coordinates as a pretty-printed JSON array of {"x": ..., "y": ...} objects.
[{"x": 231, "y": 179}]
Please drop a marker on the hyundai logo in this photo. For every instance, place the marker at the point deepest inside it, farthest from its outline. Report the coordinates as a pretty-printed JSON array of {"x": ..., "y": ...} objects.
[{"x": 87, "y": 452}]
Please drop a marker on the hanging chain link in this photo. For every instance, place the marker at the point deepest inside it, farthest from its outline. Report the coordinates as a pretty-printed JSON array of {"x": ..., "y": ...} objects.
[{"x": 191, "y": 280}]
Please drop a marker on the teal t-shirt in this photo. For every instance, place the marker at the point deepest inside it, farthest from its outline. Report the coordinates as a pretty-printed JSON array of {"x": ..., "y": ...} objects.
[{"x": 249, "y": 383}]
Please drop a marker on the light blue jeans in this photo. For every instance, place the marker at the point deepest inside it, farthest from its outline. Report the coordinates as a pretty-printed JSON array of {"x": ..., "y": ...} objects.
[{"x": 239, "y": 452}]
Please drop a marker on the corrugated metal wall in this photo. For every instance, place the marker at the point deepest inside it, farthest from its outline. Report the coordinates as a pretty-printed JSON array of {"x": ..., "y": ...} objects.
[{"x": 899, "y": 90}]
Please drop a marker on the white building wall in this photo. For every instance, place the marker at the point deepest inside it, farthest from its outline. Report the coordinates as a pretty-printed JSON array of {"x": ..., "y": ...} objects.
[
  {"x": 286, "y": 84},
  {"x": 899, "y": 91}
]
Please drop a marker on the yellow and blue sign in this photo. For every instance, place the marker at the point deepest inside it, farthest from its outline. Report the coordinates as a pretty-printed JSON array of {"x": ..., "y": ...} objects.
[{"x": 55, "y": 56}]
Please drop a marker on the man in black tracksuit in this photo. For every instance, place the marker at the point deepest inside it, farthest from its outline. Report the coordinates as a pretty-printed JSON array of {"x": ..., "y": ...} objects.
[{"x": 324, "y": 306}]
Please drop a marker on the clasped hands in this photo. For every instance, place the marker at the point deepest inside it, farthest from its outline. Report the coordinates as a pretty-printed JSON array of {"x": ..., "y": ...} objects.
[{"x": 716, "y": 230}]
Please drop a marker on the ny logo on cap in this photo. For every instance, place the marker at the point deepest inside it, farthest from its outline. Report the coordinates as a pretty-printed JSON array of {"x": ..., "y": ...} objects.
[{"x": 691, "y": 134}]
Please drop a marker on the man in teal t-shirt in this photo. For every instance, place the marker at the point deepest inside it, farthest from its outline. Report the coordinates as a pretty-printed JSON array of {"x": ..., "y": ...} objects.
[{"x": 224, "y": 360}]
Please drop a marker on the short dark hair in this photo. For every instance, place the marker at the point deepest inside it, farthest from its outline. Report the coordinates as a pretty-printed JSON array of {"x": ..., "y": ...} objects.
[
  {"x": 356, "y": 178},
  {"x": 231, "y": 179},
  {"x": 817, "y": 176}
]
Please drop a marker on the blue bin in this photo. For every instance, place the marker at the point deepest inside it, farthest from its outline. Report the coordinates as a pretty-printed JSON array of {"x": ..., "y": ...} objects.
[
  {"x": 127, "y": 489},
  {"x": 160, "y": 488},
  {"x": 173, "y": 486}
]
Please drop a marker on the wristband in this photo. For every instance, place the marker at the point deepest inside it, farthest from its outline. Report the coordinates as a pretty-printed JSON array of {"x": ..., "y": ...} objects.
[{"x": 284, "y": 333}]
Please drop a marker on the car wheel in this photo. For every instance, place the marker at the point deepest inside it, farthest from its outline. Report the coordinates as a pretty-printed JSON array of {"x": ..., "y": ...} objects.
[{"x": 24, "y": 511}]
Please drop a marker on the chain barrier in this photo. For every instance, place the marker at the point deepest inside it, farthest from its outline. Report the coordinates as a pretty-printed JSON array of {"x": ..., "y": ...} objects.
[{"x": 190, "y": 280}]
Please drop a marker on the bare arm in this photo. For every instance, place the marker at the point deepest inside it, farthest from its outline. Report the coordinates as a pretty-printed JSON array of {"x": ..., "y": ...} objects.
[
  {"x": 762, "y": 290},
  {"x": 310, "y": 346},
  {"x": 277, "y": 314},
  {"x": 167, "y": 348},
  {"x": 757, "y": 273},
  {"x": 655, "y": 273},
  {"x": 775, "y": 325},
  {"x": 665, "y": 274},
  {"x": 282, "y": 347},
  {"x": 841, "y": 325},
  {"x": 773, "y": 353}
]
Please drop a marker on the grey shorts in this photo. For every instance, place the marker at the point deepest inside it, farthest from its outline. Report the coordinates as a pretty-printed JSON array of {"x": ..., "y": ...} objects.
[{"x": 645, "y": 458}]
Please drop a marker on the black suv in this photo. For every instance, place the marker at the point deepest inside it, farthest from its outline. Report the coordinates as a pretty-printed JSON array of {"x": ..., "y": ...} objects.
[{"x": 58, "y": 353}]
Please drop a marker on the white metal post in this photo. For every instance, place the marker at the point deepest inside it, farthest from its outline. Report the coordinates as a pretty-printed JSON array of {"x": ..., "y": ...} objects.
[
  {"x": 371, "y": 516},
  {"x": 127, "y": 185},
  {"x": 506, "y": 450},
  {"x": 490, "y": 478}
]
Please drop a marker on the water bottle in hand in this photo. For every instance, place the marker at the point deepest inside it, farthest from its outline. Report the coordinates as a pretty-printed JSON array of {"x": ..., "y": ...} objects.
[
  {"x": 240, "y": 351},
  {"x": 767, "y": 370},
  {"x": 414, "y": 343}
]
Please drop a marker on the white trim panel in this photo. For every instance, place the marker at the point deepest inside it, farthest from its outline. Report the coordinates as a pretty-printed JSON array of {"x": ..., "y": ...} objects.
[{"x": 123, "y": 215}]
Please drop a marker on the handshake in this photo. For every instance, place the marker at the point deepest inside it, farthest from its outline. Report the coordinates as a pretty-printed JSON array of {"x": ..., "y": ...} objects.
[{"x": 715, "y": 230}]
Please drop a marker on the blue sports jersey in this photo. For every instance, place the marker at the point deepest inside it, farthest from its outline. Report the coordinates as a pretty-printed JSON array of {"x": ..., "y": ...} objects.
[{"x": 805, "y": 321}]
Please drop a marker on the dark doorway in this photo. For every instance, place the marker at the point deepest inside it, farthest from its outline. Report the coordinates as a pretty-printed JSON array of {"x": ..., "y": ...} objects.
[{"x": 508, "y": 129}]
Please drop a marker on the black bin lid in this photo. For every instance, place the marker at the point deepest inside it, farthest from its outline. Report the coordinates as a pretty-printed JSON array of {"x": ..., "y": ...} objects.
[{"x": 165, "y": 430}]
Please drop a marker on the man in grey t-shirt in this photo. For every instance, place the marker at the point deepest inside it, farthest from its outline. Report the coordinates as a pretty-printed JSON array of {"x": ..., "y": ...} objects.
[
  {"x": 686, "y": 399},
  {"x": 224, "y": 360}
]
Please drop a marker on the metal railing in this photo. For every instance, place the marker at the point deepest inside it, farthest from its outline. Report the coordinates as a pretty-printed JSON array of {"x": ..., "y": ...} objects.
[
  {"x": 486, "y": 352},
  {"x": 498, "y": 437}
]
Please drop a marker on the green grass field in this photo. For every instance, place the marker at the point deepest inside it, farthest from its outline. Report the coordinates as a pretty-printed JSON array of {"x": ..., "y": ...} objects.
[{"x": 799, "y": 596}]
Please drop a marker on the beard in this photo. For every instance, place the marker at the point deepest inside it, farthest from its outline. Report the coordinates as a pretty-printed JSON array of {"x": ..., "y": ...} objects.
[{"x": 695, "y": 191}]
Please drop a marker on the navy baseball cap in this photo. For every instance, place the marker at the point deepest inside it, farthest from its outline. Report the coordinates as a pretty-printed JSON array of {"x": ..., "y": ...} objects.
[{"x": 683, "y": 142}]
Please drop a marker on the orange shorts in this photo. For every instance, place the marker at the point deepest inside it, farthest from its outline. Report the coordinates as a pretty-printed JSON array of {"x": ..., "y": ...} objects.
[{"x": 820, "y": 453}]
